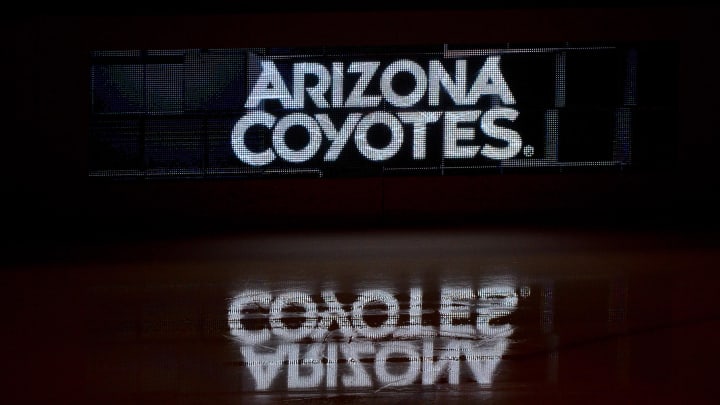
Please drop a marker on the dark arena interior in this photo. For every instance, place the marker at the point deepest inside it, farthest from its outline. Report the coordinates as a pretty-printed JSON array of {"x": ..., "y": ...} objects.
[{"x": 359, "y": 203}]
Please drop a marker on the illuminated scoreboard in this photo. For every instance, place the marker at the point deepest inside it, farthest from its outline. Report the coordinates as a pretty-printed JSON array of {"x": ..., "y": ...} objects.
[{"x": 317, "y": 112}]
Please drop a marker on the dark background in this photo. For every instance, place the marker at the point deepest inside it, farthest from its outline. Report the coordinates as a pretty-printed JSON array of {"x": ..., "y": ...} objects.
[
  {"x": 80, "y": 257},
  {"x": 46, "y": 187}
]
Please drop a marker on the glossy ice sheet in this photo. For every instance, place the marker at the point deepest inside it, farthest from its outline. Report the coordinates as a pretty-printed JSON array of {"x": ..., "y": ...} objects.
[{"x": 386, "y": 316}]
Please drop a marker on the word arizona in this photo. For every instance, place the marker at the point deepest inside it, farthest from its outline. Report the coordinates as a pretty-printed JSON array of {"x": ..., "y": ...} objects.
[{"x": 373, "y": 364}]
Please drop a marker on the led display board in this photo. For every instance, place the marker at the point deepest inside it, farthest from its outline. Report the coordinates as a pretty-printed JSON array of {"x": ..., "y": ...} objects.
[{"x": 365, "y": 111}]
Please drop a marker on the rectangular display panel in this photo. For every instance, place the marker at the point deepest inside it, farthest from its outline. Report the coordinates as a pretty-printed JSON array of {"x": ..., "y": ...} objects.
[{"x": 318, "y": 112}]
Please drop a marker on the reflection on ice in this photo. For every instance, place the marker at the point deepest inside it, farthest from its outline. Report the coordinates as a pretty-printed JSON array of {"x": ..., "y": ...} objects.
[
  {"x": 386, "y": 363},
  {"x": 377, "y": 341}
]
